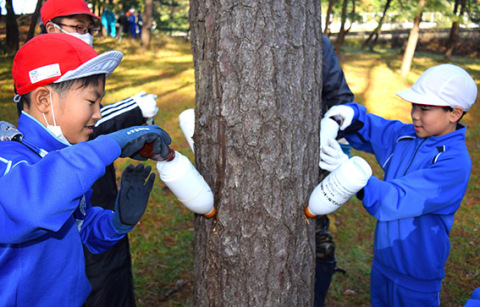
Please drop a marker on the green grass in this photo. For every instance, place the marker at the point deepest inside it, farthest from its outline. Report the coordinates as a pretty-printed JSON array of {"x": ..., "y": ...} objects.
[{"x": 162, "y": 245}]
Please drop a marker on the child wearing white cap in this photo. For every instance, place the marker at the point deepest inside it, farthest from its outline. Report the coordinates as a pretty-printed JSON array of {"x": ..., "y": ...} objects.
[
  {"x": 427, "y": 167},
  {"x": 47, "y": 170}
]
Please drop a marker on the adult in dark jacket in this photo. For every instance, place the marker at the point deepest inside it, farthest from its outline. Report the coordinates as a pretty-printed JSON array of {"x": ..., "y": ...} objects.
[{"x": 335, "y": 91}]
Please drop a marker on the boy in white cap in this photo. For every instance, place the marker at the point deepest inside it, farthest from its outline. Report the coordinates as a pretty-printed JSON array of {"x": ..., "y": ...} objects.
[
  {"x": 47, "y": 171},
  {"x": 427, "y": 167}
]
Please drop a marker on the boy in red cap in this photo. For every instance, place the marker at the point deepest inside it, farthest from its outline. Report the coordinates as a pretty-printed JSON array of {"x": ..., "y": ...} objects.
[
  {"x": 46, "y": 173},
  {"x": 109, "y": 273}
]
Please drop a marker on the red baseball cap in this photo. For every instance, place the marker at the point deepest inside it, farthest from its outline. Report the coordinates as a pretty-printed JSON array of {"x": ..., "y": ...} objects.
[
  {"x": 60, "y": 8},
  {"x": 57, "y": 57}
]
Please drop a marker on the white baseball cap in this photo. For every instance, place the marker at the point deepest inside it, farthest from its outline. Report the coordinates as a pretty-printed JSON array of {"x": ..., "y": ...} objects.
[{"x": 444, "y": 85}]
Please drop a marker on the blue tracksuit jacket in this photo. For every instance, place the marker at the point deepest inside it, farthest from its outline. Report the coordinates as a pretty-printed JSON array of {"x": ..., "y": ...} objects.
[
  {"x": 424, "y": 183},
  {"x": 45, "y": 216}
]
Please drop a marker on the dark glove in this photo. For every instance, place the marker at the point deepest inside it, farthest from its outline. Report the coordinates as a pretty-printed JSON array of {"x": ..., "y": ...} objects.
[
  {"x": 132, "y": 196},
  {"x": 132, "y": 139}
]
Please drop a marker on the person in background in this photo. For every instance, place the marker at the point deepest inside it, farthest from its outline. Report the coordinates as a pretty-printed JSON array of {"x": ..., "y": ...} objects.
[
  {"x": 47, "y": 170},
  {"x": 335, "y": 91},
  {"x": 132, "y": 24},
  {"x": 110, "y": 272},
  {"x": 109, "y": 22},
  {"x": 122, "y": 22}
]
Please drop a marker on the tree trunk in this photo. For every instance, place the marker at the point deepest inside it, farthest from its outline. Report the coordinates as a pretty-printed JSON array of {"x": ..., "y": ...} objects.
[
  {"x": 377, "y": 30},
  {"x": 12, "y": 38},
  {"x": 147, "y": 23},
  {"x": 412, "y": 41},
  {"x": 326, "y": 31},
  {"x": 34, "y": 21},
  {"x": 258, "y": 109},
  {"x": 452, "y": 38}
]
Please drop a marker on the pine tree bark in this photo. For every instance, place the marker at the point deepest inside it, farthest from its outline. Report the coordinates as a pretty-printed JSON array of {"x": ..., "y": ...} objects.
[{"x": 258, "y": 109}]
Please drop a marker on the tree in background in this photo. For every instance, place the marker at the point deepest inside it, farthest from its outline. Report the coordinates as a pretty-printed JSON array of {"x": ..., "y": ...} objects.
[
  {"x": 173, "y": 15},
  {"x": 258, "y": 82},
  {"x": 12, "y": 39},
  {"x": 326, "y": 30},
  {"x": 34, "y": 21},
  {"x": 376, "y": 33},
  {"x": 457, "y": 19},
  {"x": 147, "y": 23},
  {"x": 412, "y": 40},
  {"x": 343, "y": 31}
]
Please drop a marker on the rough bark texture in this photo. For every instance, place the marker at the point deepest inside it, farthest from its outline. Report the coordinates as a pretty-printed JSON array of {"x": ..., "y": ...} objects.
[{"x": 258, "y": 90}]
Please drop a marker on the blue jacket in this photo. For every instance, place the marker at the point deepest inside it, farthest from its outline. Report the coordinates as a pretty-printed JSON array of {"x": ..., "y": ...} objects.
[
  {"x": 45, "y": 216},
  {"x": 424, "y": 183}
]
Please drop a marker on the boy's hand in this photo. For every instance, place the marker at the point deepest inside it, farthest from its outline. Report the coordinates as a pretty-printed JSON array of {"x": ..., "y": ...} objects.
[
  {"x": 331, "y": 156},
  {"x": 132, "y": 139},
  {"x": 344, "y": 113},
  {"x": 328, "y": 130},
  {"x": 132, "y": 198},
  {"x": 147, "y": 105}
]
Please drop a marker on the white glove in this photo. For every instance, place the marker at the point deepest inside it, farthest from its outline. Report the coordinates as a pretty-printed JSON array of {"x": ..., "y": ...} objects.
[
  {"x": 331, "y": 156},
  {"x": 328, "y": 130},
  {"x": 187, "y": 123},
  {"x": 343, "y": 113},
  {"x": 147, "y": 104}
]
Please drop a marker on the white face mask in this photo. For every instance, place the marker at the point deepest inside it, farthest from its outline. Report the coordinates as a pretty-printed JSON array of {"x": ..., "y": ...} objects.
[
  {"x": 86, "y": 37},
  {"x": 55, "y": 130}
]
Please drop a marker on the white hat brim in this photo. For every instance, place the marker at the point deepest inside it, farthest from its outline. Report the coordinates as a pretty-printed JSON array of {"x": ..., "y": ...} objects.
[
  {"x": 105, "y": 63},
  {"x": 412, "y": 96}
]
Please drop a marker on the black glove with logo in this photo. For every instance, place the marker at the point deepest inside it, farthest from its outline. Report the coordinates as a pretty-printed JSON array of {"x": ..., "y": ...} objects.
[
  {"x": 132, "y": 139},
  {"x": 133, "y": 195}
]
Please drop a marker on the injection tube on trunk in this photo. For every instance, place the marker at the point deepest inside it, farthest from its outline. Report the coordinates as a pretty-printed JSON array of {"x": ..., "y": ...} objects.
[
  {"x": 338, "y": 187},
  {"x": 190, "y": 188}
]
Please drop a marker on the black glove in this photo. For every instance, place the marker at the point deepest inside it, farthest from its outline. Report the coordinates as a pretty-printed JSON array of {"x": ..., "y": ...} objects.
[
  {"x": 132, "y": 139},
  {"x": 133, "y": 196}
]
